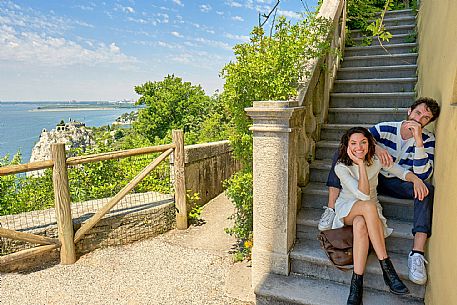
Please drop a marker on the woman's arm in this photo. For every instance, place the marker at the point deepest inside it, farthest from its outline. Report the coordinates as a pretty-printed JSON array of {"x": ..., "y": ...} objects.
[
  {"x": 363, "y": 184},
  {"x": 349, "y": 183}
]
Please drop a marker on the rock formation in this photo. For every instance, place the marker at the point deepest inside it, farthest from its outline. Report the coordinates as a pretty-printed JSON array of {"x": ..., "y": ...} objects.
[{"x": 73, "y": 134}]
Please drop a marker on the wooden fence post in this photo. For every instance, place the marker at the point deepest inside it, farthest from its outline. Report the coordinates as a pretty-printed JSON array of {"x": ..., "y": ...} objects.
[
  {"x": 180, "y": 183},
  {"x": 62, "y": 204}
]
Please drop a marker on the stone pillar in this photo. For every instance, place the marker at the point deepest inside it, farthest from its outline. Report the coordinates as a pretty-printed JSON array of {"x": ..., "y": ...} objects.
[{"x": 275, "y": 137}]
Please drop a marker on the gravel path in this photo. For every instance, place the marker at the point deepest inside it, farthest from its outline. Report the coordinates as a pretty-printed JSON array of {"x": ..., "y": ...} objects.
[{"x": 181, "y": 267}]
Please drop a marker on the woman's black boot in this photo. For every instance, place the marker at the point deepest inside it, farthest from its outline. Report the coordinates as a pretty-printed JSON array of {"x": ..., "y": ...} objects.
[
  {"x": 391, "y": 277},
  {"x": 356, "y": 290}
]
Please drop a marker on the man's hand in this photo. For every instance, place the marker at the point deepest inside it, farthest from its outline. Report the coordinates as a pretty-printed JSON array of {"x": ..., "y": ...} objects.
[
  {"x": 416, "y": 130},
  {"x": 420, "y": 189},
  {"x": 384, "y": 156}
]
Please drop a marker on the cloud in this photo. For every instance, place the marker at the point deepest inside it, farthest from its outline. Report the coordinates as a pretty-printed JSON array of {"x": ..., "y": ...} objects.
[
  {"x": 162, "y": 18},
  {"x": 205, "y": 8},
  {"x": 33, "y": 48},
  {"x": 178, "y": 2},
  {"x": 166, "y": 45},
  {"x": 199, "y": 59},
  {"x": 233, "y": 3},
  {"x": 85, "y": 7},
  {"x": 243, "y": 38},
  {"x": 214, "y": 43},
  {"x": 176, "y": 34},
  {"x": 237, "y": 18},
  {"x": 220, "y": 13},
  {"x": 125, "y": 9},
  {"x": 290, "y": 14},
  {"x": 27, "y": 19}
]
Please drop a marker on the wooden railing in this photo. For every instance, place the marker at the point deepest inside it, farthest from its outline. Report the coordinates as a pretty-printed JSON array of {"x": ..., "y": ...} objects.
[{"x": 67, "y": 238}]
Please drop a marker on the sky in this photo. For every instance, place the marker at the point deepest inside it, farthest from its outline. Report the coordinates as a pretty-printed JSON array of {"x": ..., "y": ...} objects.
[{"x": 100, "y": 50}]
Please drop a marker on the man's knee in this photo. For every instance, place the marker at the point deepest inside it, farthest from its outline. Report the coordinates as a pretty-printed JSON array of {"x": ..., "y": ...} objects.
[
  {"x": 428, "y": 200},
  {"x": 431, "y": 188}
]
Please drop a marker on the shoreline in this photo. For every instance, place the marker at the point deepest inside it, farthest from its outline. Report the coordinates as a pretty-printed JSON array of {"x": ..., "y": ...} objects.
[{"x": 74, "y": 109}]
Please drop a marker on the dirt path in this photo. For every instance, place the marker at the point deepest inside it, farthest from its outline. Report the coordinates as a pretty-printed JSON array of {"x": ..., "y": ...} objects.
[{"x": 193, "y": 266}]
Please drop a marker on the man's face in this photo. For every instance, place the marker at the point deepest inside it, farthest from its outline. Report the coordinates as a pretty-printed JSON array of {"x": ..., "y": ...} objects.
[{"x": 421, "y": 114}]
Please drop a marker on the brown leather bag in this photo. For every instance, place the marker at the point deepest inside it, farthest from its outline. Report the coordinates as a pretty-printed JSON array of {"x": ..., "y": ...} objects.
[{"x": 337, "y": 244}]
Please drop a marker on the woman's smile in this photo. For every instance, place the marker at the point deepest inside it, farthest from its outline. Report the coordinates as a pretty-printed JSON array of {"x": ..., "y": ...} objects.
[{"x": 358, "y": 144}]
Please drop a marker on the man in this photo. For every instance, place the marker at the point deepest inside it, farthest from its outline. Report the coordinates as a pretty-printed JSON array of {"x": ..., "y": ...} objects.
[{"x": 412, "y": 147}]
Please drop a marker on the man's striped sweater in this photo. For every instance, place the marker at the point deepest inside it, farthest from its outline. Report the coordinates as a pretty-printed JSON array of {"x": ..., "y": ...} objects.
[{"x": 419, "y": 160}]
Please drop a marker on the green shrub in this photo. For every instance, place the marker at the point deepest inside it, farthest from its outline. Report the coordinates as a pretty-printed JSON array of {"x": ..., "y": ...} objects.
[{"x": 239, "y": 190}]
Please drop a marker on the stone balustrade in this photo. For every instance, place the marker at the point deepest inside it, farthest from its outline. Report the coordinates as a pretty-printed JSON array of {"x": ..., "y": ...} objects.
[{"x": 284, "y": 137}]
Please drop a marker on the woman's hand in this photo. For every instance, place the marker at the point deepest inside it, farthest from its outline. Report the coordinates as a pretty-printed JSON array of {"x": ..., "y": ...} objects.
[{"x": 354, "y": 159}]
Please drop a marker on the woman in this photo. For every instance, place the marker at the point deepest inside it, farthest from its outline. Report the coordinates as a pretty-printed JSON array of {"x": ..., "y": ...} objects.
[{"x": 358, "y": 205}]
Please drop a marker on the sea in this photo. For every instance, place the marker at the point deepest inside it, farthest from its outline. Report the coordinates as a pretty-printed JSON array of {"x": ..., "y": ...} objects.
[{"x": 22, "y": 122}]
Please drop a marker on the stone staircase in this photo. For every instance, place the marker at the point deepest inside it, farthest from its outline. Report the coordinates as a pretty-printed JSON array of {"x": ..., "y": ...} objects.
[{"x": 371, "y": 86}]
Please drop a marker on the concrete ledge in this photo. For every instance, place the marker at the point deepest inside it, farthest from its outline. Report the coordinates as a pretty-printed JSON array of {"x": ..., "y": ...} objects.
[{"x": 197, "y": 152}]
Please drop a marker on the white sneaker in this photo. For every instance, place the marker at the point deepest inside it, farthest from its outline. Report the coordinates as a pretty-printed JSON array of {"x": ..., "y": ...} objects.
[
  {"x": 416, "y": 266},
  {"x": 326, "y": 221}
]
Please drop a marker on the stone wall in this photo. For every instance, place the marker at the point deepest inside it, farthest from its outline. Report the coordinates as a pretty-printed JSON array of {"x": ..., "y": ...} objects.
[
  {"x": 207, "y": 166},
  {"x": 131, "y": 221},
  {"x": 437, "y": 78}
]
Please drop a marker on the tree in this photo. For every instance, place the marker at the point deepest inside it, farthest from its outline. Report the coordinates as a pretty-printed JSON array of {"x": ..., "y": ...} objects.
[{"x": 170, "y": 104}]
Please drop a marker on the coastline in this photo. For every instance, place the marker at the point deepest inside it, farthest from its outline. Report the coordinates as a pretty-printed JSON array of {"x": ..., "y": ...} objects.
[{"x": 73, "y": 109}]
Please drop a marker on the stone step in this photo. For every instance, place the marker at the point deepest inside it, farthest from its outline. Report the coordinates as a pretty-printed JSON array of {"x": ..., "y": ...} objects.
[
  {"x": 397, "y": 13},
  {"x": 401, "y": 71},
  {"x": 394, "y": 30},
  {"x": 372, "y": 100},
  {"x": 309, "y": 259},
  {"x": 365, "y": 115},
  {"x": 315, "y": 195},
  {"x": 334, "y": 132},
  {"x": 319, "y": 170},
  {"x": 326, "y": 149},
  {"x": 402, "y": 48},
  {"x": 395, "y": 39},
  {"x": 393, "y": 20},
  {"x": 381, "y": 85},
  {"x": 379, "y": 60},
  {"x": 301, "y": 290},
  {"x": 400, "y": 241}
]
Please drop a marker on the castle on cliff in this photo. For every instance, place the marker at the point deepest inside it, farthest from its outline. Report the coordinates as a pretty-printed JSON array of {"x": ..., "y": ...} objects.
[{"x": 74, "y": 134}]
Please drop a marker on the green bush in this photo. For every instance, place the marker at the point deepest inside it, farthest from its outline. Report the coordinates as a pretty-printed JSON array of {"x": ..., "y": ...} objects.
[
  {"x": 266, "y": 68},
  {"x": 239, "y": 190}
]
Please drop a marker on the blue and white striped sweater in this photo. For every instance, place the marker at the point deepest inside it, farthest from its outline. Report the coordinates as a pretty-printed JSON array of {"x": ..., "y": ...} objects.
[{"x": 417, "y": 160}]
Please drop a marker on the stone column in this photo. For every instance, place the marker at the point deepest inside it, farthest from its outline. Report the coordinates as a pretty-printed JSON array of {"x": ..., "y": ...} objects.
[{"x": 275, "y": 137}]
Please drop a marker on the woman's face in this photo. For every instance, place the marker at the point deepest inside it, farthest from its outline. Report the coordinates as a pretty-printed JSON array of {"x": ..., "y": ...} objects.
[{"x": 358, "y": 145}]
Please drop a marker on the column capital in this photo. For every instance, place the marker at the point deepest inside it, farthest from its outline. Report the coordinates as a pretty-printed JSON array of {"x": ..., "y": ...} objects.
[{"x": 272, "y": 116}]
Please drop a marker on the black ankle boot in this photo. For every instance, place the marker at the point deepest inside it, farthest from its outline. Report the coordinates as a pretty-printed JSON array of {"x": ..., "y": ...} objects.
[
  {"x": 356, "y": 290},
  {"x": 391, "y": 277}
]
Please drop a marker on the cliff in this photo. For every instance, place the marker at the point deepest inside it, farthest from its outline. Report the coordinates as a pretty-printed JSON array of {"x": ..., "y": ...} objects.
[{"x": 73, "y": 134}]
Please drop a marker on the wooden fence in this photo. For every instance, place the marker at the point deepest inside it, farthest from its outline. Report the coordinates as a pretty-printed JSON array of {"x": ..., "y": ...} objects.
[{"x": 67, "y": 238}]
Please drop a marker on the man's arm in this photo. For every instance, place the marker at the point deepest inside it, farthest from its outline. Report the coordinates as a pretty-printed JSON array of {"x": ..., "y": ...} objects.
[
  {"x": 383, "y": 155},
  {"x": 424, "y": 150}
]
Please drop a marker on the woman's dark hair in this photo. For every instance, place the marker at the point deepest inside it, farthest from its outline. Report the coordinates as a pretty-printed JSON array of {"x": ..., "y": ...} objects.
[{"x": 343, "y": 156}]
